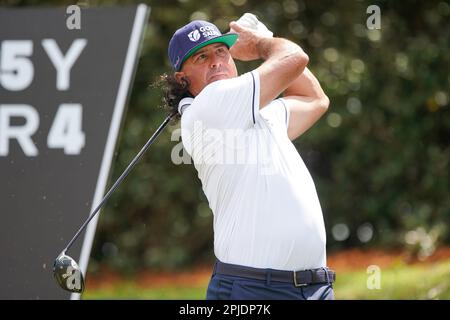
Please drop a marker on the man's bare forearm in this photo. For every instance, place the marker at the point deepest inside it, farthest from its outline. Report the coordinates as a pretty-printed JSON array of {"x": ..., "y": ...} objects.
[
  {"x": 306, "y": 85},
  {"x": 280, "y": 48}
]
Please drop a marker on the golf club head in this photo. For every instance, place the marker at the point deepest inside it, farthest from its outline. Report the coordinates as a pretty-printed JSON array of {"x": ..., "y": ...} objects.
[{"x": 68, "y": 274}]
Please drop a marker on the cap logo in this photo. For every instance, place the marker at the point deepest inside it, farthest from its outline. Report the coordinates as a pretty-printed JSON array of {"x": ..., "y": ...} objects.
[
  {"x": 194, "y": 35},
  {"x": 209, "y": 31}
]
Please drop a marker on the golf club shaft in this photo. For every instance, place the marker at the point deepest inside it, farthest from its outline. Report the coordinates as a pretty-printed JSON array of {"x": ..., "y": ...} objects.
[{"x": 119, "y": 180}]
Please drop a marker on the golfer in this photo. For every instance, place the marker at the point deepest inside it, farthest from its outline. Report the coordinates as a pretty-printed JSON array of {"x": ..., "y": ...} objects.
[{"x": 269, "y": 233}]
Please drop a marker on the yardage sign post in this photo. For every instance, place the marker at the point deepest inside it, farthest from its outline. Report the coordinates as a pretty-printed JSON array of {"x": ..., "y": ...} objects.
[{"x": 62, "y": 97}]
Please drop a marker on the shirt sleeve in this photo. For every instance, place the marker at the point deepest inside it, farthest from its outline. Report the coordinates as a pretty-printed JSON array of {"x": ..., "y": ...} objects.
[
  {"x": 230, "y": 103},
  {"x": 277, "y": 112}
]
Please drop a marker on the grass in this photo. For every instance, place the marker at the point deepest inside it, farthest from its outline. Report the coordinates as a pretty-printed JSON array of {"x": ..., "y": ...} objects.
[
  {"x": 129, "y": 290},
  {"x": 399, "y": 281}
]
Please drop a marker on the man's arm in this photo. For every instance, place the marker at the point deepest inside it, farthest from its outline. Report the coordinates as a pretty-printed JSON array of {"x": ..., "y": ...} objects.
[
  {"x": 306, "y": 101},
  {"x": 284, "y": 60}
]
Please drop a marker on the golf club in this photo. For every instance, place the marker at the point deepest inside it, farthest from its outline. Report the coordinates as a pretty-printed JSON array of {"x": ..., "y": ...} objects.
[{"x": 65, "y": 269}]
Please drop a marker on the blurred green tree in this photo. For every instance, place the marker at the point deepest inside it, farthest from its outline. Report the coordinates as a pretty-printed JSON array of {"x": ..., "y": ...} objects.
[{"x": 379, "y": 157}]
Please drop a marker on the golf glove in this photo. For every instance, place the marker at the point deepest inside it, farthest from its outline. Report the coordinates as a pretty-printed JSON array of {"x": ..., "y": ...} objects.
[{"x": 249, "y": 20}]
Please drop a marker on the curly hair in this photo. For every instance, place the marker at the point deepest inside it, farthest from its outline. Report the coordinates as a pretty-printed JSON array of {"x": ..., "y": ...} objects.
[{"x": 173, "y": 92}]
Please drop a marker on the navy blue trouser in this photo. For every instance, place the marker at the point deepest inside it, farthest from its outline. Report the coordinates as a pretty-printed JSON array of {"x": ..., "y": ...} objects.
[{"x": 225, "y": 287}]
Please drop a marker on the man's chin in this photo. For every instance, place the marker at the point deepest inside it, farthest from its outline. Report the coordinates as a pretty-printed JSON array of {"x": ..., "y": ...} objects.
[{"x": 218, "y": 77}]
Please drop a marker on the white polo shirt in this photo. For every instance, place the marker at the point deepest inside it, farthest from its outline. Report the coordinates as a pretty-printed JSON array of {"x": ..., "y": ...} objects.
[{"x": 266, "y": 209}]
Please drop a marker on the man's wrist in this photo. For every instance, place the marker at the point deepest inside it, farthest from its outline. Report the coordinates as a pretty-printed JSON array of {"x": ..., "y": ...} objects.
[{"x": 264, "y": 46}]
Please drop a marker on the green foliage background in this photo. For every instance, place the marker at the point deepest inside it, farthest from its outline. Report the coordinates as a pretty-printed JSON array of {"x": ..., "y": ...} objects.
[{"x": 380, "y": 156}]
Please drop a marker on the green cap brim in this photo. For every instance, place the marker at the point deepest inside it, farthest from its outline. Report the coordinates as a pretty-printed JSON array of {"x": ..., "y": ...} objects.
[{"x": 228, "y": 39}]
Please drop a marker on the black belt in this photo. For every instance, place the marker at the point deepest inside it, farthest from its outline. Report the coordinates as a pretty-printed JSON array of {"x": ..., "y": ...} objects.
[{"x": 297, "y": 278}]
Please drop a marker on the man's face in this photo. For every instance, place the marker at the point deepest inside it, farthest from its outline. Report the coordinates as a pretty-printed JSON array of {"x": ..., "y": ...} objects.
[{"x": 208, "y": 64}]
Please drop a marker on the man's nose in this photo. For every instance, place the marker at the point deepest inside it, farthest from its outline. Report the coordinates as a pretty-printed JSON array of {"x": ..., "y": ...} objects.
[{"x": 215, "y": 62}]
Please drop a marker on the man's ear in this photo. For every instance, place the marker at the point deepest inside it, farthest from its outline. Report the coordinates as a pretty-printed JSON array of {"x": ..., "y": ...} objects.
[{"x": 179, "y": 76}]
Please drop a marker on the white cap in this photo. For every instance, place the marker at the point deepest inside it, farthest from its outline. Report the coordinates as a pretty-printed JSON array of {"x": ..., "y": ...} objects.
[{"x": 184, "y": 103}]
